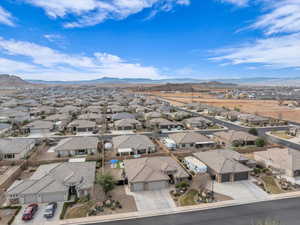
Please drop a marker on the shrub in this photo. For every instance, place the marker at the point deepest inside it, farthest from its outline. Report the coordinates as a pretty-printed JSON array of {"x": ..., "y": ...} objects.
[
  {"x": 236, "y": 143},
  {"x": 253, "y": 131},
  {"x": 260, "y": 142},
  {"x": 182, "y": 184}
]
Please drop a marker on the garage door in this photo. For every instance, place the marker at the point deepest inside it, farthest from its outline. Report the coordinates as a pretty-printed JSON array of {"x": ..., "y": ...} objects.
[
  {"x": 241, "y": 176},
  {"x": 137, "y": 187},
  {"x": 156, "y": 185},
  {"x": 30, "y": 199},
  {"x": 52, "y": 197},
  {"x": 225, "y": 177}
]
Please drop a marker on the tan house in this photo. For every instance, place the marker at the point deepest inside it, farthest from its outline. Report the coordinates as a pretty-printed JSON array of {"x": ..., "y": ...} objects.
[
  {"x": 127, "y": 124},
  {"x": 81, "y": 126},
  {"x": 225, "y": 165},
  {"x": 191, "y": 140},
  {"x": 232, "y": 136},
  {"x": 77, "y": 146},
  {"x": 153, "y": 173},
  {"x": 133, "y": 144},
  {"x": 286, "y": 161}
]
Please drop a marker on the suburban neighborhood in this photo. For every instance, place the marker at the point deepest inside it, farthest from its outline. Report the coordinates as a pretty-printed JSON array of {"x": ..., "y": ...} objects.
[
  {"x": 113, "y": 151},
  {"x": 149, "y": 112}
]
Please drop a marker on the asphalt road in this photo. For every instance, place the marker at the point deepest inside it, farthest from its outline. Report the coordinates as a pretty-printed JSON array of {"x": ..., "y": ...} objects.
[{"x": 286, "y": 211}]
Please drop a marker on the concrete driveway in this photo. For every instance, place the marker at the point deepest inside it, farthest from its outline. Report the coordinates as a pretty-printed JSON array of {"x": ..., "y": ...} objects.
[
  {"x": 241, "y": 190},
  {"x": 38, "y": 217},
  {"x": 153, "y": 200}
]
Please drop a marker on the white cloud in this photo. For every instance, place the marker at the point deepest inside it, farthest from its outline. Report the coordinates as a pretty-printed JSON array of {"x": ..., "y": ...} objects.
[
  {"x": 46, "y": 61},
  {"x": 281, "y": 16},
  {"x": 53, "y": 37},
  {"x": 12, "y": 66},
  {"x": 240, "y": 3},
  {"x": 280, "y": 48},
  {"x": 276, "y": 52},
  {"x": 5, "y": 17},
  {"x": 92, "y": 12}
]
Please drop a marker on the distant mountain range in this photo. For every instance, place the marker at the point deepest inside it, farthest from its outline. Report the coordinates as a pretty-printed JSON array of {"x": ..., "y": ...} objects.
[
  {"x": 15, "y": 81},
  {"x": 12, "y": 81},
  {"x": 241, "y": 81},
  {"x": 114, "y": 80}
]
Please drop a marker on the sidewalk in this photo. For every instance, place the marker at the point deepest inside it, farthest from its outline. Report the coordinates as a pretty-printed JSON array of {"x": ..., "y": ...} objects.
[{"x": 134, "y": 215}]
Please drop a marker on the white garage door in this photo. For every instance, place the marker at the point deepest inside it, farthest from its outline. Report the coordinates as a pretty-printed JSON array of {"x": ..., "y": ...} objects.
[
  {"x": 53, "y": 197},
  {"x": 137, "y": 187},
  {"x": 157, "y": 185},
  {"x": 30, "y": 199}
]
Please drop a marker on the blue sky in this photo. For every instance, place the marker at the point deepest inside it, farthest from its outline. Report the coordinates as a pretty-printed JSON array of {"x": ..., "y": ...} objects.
[{"x": 204, "y": 39}]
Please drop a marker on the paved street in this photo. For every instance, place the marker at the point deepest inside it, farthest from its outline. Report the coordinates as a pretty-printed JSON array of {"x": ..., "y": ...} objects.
[{"x": 287, "y": 211}]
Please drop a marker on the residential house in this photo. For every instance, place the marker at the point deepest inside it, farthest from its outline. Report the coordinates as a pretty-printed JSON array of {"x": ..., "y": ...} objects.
[
  {"x": 15, "y": 149},
  {"x": 127, "y": 124},
  {"x": 253, "y": 120},
  {"x": 235, "y": 137},
  {"x": 122, "y": 115},
  {"x": 55, "y": 182},
  {"x": 81, "y": 126},
  {"x": 133, "y": 144},
  {"x": 161, "y": 123},
  {"x": 39, "y": 127},
  {"x": 224, "y": 165},
  {"x": 77, "y": 146},
  {"x": 69, "y": 109},
  {"x": 153, "y": 173},
  {"x": 116, "y": 109},
  {"x": 231, "y": 115},
  {"x": 286, "y": 161},
  {"x": 191, "y": 140},
  {"x": 98, "y": 118},
  {"x": 197, "y": 123},
  {"x": 60, "y": 121},
  {"x": 152, "y": 115},
  {"x": 178, "y": 116}
]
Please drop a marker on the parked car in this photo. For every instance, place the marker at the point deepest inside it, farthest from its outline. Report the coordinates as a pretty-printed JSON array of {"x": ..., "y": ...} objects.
[
  {"x": 50, "y": 210},
  {"x": 29, "y": 212}
]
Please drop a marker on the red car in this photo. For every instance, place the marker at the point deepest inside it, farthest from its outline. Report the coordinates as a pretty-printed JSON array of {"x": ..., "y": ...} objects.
[{"x": 29, "y": 212}]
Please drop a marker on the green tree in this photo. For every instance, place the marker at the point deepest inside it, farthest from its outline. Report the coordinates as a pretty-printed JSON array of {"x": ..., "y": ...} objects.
[
  {"x": 253, "y": 131},
  {"x": 260, "y": 142},
  {"x": 106, "y": 181},
  {"x": 182, "y": 184}
]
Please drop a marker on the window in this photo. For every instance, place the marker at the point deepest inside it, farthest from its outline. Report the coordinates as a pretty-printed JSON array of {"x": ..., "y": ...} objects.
[{"x": 9, "y": 156}]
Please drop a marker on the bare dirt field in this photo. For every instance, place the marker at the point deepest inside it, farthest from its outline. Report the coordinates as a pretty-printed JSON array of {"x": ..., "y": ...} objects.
[{"x": 270, "y": 108}]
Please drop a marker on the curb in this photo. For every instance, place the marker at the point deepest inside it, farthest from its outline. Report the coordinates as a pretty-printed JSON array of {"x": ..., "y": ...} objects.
[{"x": 145, "y": 214}]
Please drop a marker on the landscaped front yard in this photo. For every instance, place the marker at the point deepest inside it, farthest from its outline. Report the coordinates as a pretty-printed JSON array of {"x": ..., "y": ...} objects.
[
  {"x": 79, "y": 210},
  {"x": 270, "y": 185},
  {"x": 119, "y": 202},
  {"x": 282, "y": 134},
  {"x": 189, "y": 198}
]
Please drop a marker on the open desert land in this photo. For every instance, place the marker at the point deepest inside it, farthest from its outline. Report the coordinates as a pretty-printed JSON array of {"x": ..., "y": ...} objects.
[{"x": 270, "y": 108}]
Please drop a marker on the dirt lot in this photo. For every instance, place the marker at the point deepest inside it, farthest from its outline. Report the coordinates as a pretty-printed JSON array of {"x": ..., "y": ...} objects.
[{"x": 270, "y": 108}]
